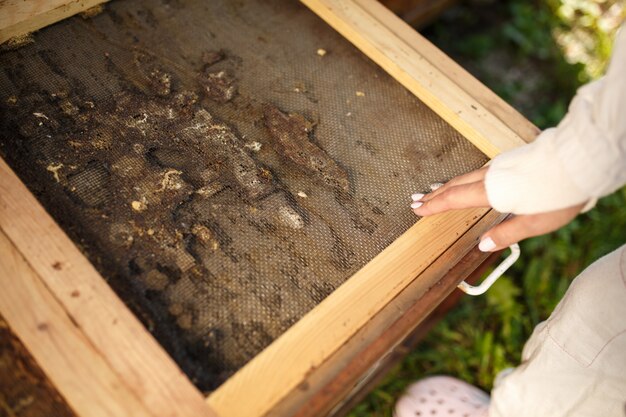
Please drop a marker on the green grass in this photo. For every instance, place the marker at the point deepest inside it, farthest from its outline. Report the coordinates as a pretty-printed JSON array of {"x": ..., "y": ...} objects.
[{"x": 484, "y": 335}]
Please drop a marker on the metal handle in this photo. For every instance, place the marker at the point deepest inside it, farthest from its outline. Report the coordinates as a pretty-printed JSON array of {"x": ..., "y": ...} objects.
[{"x": 489, "y": 281}]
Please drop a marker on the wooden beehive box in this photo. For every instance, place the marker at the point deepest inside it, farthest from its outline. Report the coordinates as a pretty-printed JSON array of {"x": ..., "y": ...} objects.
[{"x": 287, "y": 204}]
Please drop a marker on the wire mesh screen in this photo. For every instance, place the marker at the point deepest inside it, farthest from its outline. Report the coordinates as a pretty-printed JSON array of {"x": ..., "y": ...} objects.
[{"x": 225, "y": 165}]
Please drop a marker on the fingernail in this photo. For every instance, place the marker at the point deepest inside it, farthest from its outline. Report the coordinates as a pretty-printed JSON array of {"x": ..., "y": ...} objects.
[
  {"x": 416, "y": 204},
  {"x": 436, "y": 185},
  {"x": 417, "y": 196},
  {"x": 486, "y": 245}
]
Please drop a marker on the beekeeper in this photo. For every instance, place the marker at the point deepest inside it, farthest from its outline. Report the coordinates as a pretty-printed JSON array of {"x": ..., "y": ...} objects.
[{"x": 574, "y": 364}]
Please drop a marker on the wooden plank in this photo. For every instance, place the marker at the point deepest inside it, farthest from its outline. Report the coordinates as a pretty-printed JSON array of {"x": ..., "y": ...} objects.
[
  {"x": 20, "y": 17},
  {"x": 375, "y": 31},
  {"x": 77, "y": 370},
  {"x": 336, "y": 377},
  {"x": 394, "y": 356},
  {"x": 25, "y": 390},
  {"x": 380, "y": 356},
  {"x": 276, "y": 371},
  {"x": 321, "y": 332},
  {"x": 318, "y": 335},
  {"x": 456, "y": 75},
  {"x": 106, "y": 322}
]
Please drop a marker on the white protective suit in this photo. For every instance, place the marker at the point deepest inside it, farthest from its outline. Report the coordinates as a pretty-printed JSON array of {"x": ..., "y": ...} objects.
[{"x": 574, "y": 364}]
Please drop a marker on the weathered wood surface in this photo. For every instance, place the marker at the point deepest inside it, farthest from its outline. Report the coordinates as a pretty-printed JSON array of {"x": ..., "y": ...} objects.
[
  {"x": 308, "y": 343},
  {"x": 451, "y": 92},
  {"x": 344, "y": 372},
  {"x": 457, "y": 77},
  {"x": 224, "y": 186},
  {"x": 87, "y": 341},
  {"x": 20, "y": 17},
  {"x": 363, "y": 372},
  {"x": 25, "y": 391},
  {"x": 278, "y": 370},
  {"x": 335, "y": 321},
  {"x": 77, "y": 370}
]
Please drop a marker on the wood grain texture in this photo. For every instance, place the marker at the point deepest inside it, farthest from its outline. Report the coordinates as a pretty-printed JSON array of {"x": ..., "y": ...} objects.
[
  {"x": 456, "y": 74},
  {"x": 258, "y": 387},
  {"x": 384, "y": 362},
  {"x": 338, "y": 376},
  {"x": 397, "y": 48},
  {"x": 19, "y": 17},
  {"x": 272, "y": 374},
  {"x": 91, "y": 305},
  {"x": 77, "y": 370},
  {"x": 25, "y": 390},
  {"x": 304, "y": 347}
]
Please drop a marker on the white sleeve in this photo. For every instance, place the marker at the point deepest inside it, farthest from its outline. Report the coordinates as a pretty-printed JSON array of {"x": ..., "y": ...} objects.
[{"x": 580, "y": 160}]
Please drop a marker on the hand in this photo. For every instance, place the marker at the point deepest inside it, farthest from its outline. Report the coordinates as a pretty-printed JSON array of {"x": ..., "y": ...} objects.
[{"x": 468, "y": 191}]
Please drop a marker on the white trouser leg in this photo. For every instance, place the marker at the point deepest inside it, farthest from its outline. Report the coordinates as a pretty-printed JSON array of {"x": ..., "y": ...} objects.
[{"x": 574, "y": 364}]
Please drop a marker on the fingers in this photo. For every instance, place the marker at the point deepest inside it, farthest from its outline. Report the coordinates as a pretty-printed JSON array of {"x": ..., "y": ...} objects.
[
  {"x": 468, "y": 191},
  {"x": 453, "y": 197},
  {"x": 474, "y": 176},
  {"x": 449, "y": 196},
  {"x": 521, "y": 227}
]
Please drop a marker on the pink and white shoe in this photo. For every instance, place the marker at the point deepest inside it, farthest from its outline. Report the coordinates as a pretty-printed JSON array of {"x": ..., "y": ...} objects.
[{"x": 442, "y": 396}]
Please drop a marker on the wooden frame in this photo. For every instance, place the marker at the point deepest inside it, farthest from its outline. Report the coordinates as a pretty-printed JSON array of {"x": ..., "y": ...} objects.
[
  {"x": 19, "y": 17},
  {"x": 71, "y": 308},
  {"x": 45, "y": 274}
]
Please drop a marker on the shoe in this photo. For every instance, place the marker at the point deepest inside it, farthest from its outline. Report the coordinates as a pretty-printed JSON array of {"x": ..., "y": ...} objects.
[{"x": 442, "y": 396}]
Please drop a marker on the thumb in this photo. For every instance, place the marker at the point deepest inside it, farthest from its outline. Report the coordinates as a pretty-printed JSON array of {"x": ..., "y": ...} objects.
[
  {"x": 521, "y": 227},
  {"x": 505, "y": 234}
]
